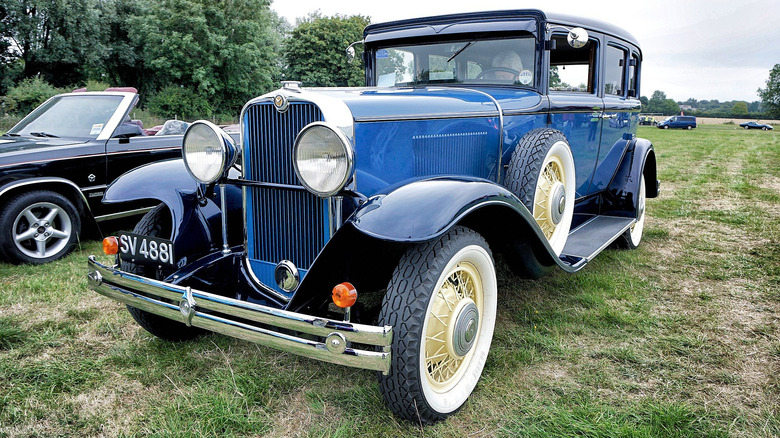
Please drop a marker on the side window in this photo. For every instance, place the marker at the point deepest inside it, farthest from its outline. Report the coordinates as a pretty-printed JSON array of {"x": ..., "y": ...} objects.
[
  {"x": 633, "y": 73},
  {"x": 572, "y": 70},
  {"x": 614, "y": 71}
]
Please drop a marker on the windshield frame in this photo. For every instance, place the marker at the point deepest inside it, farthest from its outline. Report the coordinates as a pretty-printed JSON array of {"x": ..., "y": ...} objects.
[
  {"x": 125, "y": 104},
  {"x": 464, "y": 42}
]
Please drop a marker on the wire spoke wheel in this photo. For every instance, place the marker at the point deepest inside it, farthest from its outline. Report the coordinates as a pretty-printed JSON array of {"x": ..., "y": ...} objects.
[{"x": 441, "y": 303}]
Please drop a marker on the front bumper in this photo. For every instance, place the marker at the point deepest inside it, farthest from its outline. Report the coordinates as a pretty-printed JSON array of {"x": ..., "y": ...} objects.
[{"x": 212, "y": 312}]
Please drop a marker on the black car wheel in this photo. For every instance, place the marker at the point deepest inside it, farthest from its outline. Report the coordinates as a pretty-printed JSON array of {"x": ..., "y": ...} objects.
[
  {"x": 441, "y": 303},
  {"x": 747, "y": 127},
  {"x": 157, "y": 223},
  {"x": 38, "y": 227}
]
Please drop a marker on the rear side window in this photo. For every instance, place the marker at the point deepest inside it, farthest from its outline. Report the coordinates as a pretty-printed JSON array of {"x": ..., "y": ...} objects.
[
  {"x": 633, "y": 73},
  {"x": 614, "y": 71},
  {"x": 572, "y": 70}
]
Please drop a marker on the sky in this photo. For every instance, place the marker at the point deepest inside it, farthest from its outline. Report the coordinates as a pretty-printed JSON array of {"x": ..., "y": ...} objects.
[{"x": 701, "y": 49}]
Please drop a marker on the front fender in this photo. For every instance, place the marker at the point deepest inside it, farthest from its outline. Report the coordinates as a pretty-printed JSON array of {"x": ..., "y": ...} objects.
[
  {"x": 426, "y": 209},
  {"x": 196, "y": 222}
]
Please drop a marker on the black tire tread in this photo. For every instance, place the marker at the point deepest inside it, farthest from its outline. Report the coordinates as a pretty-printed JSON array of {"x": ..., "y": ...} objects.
[
  {"x": 526, "y": 163},
  {"x": 155, "y": 223},
  {"x": 404, "y": 307}
]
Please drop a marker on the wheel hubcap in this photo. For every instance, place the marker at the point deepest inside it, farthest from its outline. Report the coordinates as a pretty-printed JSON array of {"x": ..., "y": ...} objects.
[
  {"x": 461, "y": 335},
  {"x": 452, "y": 326},
  {"x": 42, "y": 230}
]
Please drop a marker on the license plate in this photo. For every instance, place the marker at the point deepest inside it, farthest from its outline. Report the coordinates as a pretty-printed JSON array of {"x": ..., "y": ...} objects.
[{"x": 139, "y": 249}]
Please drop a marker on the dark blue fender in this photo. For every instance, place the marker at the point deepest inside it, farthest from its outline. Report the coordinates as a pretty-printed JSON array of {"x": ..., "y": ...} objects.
[
  {"x": 426, "y": 209},
  {"x": 621, "y": 195},
  {"x": 196, "y": 222}
]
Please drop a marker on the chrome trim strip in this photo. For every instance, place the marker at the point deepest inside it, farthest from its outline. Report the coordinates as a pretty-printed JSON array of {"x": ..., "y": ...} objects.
[
  {"x": 260, "y": 284},
  {"x": 122, "y": 214},
  {"x": 98, "y": 187},
  {"x": 500, "y": 129},
  {"x": 428, "y": 116},
  {"x": 26, "y": 182},
  {"x": 129, "y": 289}
]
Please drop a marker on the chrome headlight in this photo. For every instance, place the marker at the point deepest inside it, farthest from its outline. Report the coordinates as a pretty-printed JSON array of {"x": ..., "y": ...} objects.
[
  {"x": 323, "y": 159},
  {"x": 208, "y": 151}
]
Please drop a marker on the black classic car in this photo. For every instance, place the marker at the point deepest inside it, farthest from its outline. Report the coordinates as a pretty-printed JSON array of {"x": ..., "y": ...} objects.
[
  {"x": 55, "y": 165},
  {"x": 756, "y": 125},
  {"x": 510, "y": 132}
]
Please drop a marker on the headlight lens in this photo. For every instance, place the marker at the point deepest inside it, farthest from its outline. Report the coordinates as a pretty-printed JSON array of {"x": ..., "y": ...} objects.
[
  {"x": 323, "y": 159},
  {"x": 208, "y": 151}
]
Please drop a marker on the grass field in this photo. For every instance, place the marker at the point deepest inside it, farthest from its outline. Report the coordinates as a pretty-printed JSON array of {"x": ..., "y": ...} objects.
[{"x": 680, "y": 337}]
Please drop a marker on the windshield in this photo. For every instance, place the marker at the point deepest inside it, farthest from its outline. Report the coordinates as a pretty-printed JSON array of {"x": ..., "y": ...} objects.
[
  {"x": 69, "y": 116},
  {"x": 507, "y": 61}
]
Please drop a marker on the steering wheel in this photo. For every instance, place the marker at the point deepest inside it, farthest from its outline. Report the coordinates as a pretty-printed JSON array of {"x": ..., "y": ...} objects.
[{"x": 493, "y": 70}]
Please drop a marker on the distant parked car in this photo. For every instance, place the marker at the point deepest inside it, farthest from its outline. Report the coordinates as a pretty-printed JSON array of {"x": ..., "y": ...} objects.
[
  {"x": 55, "y": 165},
  {"x": 756, "y": 125},
  {"x": 682, "y": 122},
  {"x": 647, "y": 120}
]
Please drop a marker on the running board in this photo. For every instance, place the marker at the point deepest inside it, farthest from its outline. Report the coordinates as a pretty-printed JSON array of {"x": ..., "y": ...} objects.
[{"x": 593, "y": 236}]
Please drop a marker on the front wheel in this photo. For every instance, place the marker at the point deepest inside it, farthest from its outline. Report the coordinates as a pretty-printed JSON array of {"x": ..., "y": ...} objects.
[
  {"x": 157, "y": 223},
  {"x": 38, "y": 227},
  {"x": 441, "y": 303},
  {"x": 747, "y": 127},
  {"x": 666, "y": 126}
]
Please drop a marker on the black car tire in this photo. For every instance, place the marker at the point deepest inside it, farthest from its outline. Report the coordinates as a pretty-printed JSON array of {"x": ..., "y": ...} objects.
[
  {"x": 631, "y": 238},
  {"x": 447, "y": 282},
  {"x": 541, "y": 175},
  {"x": 666, "y": 126},
  {"x": 157, "y": 223},
  {"x": 746, "y": 127},
  {"x": 689, "y": 127},
  {"x": 38, "y": 227}
]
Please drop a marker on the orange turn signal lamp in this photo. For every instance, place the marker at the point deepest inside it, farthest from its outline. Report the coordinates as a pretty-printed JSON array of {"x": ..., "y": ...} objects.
[
  {"x": 110, "y": 245},
  {"x": 344, "y": 295}
]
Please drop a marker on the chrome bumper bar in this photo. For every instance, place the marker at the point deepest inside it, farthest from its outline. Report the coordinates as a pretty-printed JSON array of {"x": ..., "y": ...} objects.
[{"x": 196, "y": 308}]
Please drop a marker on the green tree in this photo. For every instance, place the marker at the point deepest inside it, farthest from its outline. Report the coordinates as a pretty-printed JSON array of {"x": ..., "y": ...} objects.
[
  {"x": 739, "y": 108},
  {"x": 315, "y": 55},
  {"x": 223, "y": 50},
  {"x": 55, "y": 39},
  {"x": 770, "y": 96}
]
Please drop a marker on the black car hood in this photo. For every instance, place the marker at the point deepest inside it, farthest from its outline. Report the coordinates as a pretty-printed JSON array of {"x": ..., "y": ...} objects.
[
  {"x": 15, "y": 144},
  {"x": 15, "y": 150}
]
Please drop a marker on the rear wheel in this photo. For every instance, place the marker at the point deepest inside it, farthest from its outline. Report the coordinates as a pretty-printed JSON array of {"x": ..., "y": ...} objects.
[
  {"x": 633, "y": 235},
  {"x": 157, "y": 223},
  {"x": 38, "y": 227},
  {"x": 441, "y": 303}
]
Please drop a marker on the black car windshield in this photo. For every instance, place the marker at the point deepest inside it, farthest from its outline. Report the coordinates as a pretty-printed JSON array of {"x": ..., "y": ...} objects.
[
  {"x": 505, "y": 61},
  {"x": 82, "y": 116}
]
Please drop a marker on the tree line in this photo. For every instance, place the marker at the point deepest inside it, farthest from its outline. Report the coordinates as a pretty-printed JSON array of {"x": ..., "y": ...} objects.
[{"x": 191, "y": 58}]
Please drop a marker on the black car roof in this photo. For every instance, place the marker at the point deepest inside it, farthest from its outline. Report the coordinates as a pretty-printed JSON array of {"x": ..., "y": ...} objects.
[{"x": 487, "y": 16}]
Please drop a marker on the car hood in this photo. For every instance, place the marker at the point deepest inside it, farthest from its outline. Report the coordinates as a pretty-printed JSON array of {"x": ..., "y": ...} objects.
[
  {"x": 378, "y": 104},
  {"x": 20, "y": 149}
]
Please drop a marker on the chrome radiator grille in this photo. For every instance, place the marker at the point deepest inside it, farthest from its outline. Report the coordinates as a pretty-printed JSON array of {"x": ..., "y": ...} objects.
[{"x": 283, "y": 223}]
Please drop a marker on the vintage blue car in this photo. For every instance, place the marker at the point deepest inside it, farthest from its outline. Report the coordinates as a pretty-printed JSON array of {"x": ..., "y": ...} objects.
[{"x": 507, "y": 132}]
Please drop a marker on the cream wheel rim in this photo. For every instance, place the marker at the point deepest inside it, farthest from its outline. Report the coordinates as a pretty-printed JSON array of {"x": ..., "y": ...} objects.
[{"x": 450, "y": 319}]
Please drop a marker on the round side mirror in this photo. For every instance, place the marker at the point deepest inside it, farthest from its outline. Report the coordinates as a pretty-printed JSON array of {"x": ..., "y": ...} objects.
[{"x": 577, "y": 37}]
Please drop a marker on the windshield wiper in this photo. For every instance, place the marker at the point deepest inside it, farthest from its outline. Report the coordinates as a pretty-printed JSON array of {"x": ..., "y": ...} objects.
[
  {"x": 44, "y": 134},
  {"x": 466, "y": 46},
  {"x": 8, "y": 134}
]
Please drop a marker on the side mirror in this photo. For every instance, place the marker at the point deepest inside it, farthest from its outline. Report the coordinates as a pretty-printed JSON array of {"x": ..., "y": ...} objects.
[
  {"x": 351, "y": 51},
  {"x": 577, "y": 37}
]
